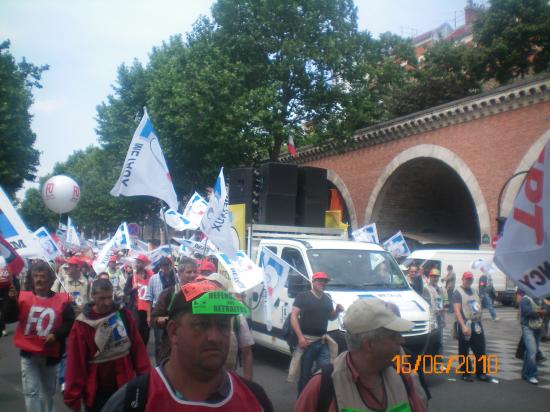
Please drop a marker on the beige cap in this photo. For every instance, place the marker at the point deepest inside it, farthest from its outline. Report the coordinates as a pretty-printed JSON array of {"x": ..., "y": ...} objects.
[
  {"x": 224, "y": 282},
  {"x": 368, "y": 314}
]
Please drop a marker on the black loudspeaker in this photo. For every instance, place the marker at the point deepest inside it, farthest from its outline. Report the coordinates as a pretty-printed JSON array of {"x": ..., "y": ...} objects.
[
  {"x": 277, "y": 209},
  {"x": 279, "y": 178},
  {"x": 241, "y": 186},
  {"x": 312, "y": 197}
]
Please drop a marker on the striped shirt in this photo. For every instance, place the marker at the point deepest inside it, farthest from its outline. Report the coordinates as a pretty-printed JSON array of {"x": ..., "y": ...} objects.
[{"x": 156, "y": 287}]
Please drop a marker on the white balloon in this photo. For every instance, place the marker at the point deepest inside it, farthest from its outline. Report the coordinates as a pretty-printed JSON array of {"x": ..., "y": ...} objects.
[{"x": 60, "y": 194}]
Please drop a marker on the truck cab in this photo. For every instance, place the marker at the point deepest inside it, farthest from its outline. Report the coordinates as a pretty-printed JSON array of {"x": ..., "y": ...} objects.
[{"x": 357, "y": 270}]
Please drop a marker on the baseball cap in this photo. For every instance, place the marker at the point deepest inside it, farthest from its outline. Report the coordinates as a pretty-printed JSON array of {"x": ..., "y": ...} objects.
[
  {"x": 320, "y": 275},
  {"x": 365, "y": 315},
  {"x": 468, "y": 275},
  {"x": 143, "y": 258},
  {"x": 434, "y": 272},
  {"x": 205, "y": 298},
  {"x": 220, "y": 279},
  {"x": 206, "y": 266},
  {"x": 73, "y": 260}
]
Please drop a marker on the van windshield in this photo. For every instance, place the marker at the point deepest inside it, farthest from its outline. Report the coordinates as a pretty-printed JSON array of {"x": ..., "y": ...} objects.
[{"x": 357, "y": 269}]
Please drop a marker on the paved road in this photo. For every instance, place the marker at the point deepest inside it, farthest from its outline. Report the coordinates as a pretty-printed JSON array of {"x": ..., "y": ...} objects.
[{"x": 449, "y": 394}]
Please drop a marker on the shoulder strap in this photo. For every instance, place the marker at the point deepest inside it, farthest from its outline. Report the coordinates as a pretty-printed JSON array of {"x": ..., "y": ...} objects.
[
  {"x": 259, "y": 394},
  {"x": 135, "y": 398},
  {"x": 326, "y": 390}
]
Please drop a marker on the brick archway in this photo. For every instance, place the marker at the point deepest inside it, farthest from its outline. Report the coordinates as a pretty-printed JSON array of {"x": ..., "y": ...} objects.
[
  {"x": 333, "y": 177},
  {"x": 450, "y": 159},
  {"x": 526, "y": 162}
]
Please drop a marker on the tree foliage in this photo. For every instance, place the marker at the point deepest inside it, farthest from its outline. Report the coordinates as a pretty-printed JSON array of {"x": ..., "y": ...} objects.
[
  {"x": 514, "y": 36},
  {"x": 18, "y": 158},
  {"x": 449, "y": 72}
]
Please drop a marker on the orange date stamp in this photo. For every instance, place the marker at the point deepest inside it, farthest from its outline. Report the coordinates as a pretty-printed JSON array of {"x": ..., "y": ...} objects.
[{"x": 439, "y": 364}]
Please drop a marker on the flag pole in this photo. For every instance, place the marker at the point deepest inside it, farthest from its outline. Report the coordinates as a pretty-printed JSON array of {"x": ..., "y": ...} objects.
[{"x": 166, "y": 229}]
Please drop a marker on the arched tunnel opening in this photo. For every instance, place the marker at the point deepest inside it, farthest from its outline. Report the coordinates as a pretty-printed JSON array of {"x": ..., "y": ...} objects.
[{"x": 429, "y": 202}]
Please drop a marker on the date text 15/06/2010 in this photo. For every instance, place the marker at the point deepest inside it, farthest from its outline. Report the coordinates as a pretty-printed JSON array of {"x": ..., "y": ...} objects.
[{"x": 439, "y": 364}]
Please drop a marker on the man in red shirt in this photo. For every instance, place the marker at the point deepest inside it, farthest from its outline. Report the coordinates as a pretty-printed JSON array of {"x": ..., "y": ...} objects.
[
  {"x": 45, "y": 319},
  {"x": 105, "y": 351},
  {"x": 136, "y": 288},
  {"x": 193, "y": 378}
]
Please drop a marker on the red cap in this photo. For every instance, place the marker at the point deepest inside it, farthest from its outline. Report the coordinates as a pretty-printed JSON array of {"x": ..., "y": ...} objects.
[
  {"x": 143, "y": 258},
  {"x": 206, "y": 266},
  {"x": 320, "y": 275},
  {"x": 73, "y": 260},
  {"x": 112, "y": 259},
  {"x": 468, "y": 275}
]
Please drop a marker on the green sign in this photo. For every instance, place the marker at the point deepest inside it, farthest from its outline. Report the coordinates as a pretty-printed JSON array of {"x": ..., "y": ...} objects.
[{"x": 218, "y": 303}]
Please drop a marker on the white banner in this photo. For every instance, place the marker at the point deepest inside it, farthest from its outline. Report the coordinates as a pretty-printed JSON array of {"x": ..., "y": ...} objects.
[
  {"x": 49, "y": 247},
  {"x": 195, "y": 210},
  {"x": 145, "y": 171},
  {"x": 71, "y": 236},
  {"x": 175, "y": 220},
  {"x": 157, "y": 254},
  {"x": 367, "y": 233},
  {"x": 14, "y": 230},
  {"x": 244, "y": 273},
  {"x": 204, "y": 248},
  {"x": 275, "y": 275},
  {"x": 121, "y": 240},
  {"x": 397, "y": 246},
  {"x": 523, "y": 251},
  {"x": 216, "y": 223}
]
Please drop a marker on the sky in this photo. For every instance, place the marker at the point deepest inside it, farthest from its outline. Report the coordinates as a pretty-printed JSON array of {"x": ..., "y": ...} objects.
[{"x": 84, "y": 41}]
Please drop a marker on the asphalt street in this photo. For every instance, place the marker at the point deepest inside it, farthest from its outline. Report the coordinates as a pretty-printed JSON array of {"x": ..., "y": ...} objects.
[{"x": 449, "y": 392}]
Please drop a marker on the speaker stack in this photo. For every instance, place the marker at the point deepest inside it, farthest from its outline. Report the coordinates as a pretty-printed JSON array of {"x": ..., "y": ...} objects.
[
  {"x": 281, "y": 194},
  {"x": 312, "y": 197}
]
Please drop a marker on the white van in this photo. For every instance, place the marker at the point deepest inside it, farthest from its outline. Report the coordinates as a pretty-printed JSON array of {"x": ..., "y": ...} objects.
[
  {"x": 355, "y": 270},
  {"x": 461, "y": 260}
]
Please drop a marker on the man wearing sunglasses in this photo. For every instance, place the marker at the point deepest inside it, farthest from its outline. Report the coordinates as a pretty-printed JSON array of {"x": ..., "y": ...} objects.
[{"x": 309, "y": 319}]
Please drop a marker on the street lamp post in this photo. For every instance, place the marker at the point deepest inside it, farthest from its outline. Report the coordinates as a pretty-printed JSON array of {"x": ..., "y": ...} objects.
[{"x": 502, "y": 219}]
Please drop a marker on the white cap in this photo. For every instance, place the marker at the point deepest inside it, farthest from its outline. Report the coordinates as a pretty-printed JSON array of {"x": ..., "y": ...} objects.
[{"x": 365, "y": 315}]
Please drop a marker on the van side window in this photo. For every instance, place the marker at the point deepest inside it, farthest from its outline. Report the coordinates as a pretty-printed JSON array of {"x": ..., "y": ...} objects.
[{"x": 295, "y": 282}]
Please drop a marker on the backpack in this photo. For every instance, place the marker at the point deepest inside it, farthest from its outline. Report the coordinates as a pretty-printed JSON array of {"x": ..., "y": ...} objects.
[
  {"x": 287, "y": 334},
  {"x": 327, "y": 393},
  {"x": 135, "y": 398}
]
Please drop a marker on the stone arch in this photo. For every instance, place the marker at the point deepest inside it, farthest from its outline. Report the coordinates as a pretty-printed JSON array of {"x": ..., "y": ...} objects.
[
  {"x": 445, "y": 157},
  {"x": 526, "y": 162},
  {"x": 337, "y": 181}
]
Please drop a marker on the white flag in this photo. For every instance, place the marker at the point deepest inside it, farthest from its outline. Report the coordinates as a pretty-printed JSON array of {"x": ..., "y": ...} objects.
[
  {"x": 49, "y": 247},
  {"x": 144, "y": 171},
  {"x": 275, "y": 275},
  {"x": 367, "y": 233},
  {"x": 191, "y": 217},
  {"x": 14, "y": 230},
  {"x": 523, "y": 251},
  {"x": 397, "y": 246},
  {"x": 71, "y": 236},
  {"x": 122, "y": 237},
  {"x": 204, "y": 248},
  {"x": 216, "y": 223},
  {"x": 195, "y": 210},
  {"x": 174, "y": 219},
  {"x": 121, "y": 240},
  {"x": 244, "y": 273}
]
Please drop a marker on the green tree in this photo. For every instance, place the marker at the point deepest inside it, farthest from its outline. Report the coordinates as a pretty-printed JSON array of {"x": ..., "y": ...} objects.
[
  {"x": 449, "y": 72},
  {"x": 35, "y": 213},
  {"x": 18, "y": 158},
  {"x": 300, "y": 62},
  {"x": 514, "y": 36}
]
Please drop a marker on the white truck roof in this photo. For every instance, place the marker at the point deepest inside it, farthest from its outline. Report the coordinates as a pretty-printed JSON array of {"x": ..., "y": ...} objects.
[{"x": 326, "y": 244}]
